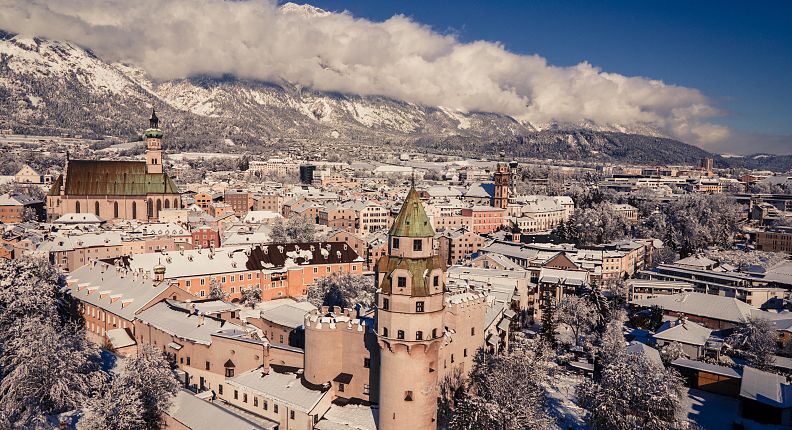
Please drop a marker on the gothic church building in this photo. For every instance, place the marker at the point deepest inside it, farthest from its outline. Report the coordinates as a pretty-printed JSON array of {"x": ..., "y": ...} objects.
[{"x": 116, "y": 190}]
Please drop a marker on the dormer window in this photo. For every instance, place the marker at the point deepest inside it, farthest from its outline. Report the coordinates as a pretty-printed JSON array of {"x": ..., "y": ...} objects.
[{"x": 401, "y": 282}]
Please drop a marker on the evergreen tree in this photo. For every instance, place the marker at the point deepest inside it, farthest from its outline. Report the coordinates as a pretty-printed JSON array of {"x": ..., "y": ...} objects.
[
  {"x": 755, "y": 339},
  {"x": 149, "y": 375},
  {"x": 549, "y": 320}
]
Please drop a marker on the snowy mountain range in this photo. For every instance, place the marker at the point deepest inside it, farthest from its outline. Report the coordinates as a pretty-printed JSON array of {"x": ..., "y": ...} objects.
[{"x": 55, "y": 87}]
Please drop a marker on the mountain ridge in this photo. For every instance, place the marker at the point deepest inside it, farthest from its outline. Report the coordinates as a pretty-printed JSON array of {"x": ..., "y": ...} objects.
[{"x": 54, "y": 87}]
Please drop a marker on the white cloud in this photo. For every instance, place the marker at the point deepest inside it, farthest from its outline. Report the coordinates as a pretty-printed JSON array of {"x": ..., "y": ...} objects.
[{"x": 397, "y": 58}]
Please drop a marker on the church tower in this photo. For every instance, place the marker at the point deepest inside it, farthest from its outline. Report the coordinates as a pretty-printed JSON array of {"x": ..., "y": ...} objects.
[
  {"x": 410, "y": 307},
  {"x": 502, "y": 179},
  {"x": 153, "y": 145}
]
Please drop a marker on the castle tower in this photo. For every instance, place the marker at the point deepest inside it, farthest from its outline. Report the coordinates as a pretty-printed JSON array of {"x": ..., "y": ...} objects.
[
  {"x": 153, "y": 145},
  {"x": 410, "y": 307},
  {"x": 502, "y": 181}
]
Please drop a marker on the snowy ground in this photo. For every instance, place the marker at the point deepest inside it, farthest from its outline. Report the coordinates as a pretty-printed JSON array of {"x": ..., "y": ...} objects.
[
  {"x": 560, "y": 395},
  {"x": 710, "y": 411}
]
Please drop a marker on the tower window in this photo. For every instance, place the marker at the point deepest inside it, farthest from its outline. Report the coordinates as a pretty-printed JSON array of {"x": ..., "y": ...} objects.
[
  {"x": 472, "y": 331},
  {"x": 395, "y": 243},
  {"x": 436, "y": 281},
  {"x": 385, "y": 304},
  {"x": 385, "y": 331},
  {"x": 417, "y": 244},
  {"x": 400, "y": 334},
  {"x": 367, "y": 362},
  {"x": 434, "y": 333},
  {"x": 418, "y": 335},
  {"x": 401, "y": 282},
  {"x": 419, "y": 306}
]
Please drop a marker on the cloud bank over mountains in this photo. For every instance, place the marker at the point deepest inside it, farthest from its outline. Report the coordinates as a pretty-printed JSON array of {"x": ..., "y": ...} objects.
[{"x": 397, "y": 58}]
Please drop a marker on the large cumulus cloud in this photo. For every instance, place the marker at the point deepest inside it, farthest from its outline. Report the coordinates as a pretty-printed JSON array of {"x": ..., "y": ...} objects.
[{"x": 398, "y": 58}]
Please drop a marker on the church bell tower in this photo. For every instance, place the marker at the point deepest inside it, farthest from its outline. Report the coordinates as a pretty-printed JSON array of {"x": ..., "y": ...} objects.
[
  {"x": 410, "y": 307},
  {"x": 502, "y": 179},
  {"x": 153, "y": 145}
]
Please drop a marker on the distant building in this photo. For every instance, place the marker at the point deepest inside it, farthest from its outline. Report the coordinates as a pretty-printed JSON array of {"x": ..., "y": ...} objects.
[
  {"x": 15, "y": 207},
  {"x": 307, "y": 173}
]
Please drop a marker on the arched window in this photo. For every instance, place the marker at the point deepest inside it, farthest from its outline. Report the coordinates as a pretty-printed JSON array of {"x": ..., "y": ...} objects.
[
  {"x": 167, "y": 204},
  {"x": 150, "y": 208},
  {"x": 77, "y": 207},
  {"x": 159, "y": 206},
  {"x": 175, "y": 204},
  {"x": 96, "y": 208},
  {"x": 134, "y": 210},
  {"x": 115, "y": 209}
]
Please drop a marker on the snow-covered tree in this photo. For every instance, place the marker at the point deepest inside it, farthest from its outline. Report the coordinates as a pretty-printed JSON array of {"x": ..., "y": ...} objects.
[
  {"x": 694, "y": 222},
  {"x": 342, "y": 289},
  {"x": 755, "y": 339},
  {"x": 577, "y": 314},
  {"x": 296, "y": 229},
  {"x": 594, "y": 225},
  {"x": 504, "y": 392},
  {"x": 149, "y": 375},
  {"x": 46, "y": 364},
  {"x": 671, "y": 352},
  {"x": 116, "y": 408},
  {"x": 46, "y": 369},
  {"x": 251, "y": 296},
  {"x": 549, "y": 319},
  {"x": 633, "y": 392},
  {"x": 216, "y": 291}
]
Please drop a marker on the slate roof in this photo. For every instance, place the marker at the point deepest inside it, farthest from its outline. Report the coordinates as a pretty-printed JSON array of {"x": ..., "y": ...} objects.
[
  {"x": 112, "y": 178},
  {"x": 412, "y": 220},
  {"x": 417, "y": 268}
]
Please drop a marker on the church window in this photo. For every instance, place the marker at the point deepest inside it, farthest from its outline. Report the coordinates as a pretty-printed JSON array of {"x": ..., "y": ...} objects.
[
  {"x": 77, "y": 207},
  {"x": 159, "y": 206},
  {"x": 417, "y": 244},
  {"x": 134, "y": 210},
  {"x": 96, "y": 208},
  {"x": 167, "y": 204},
  {"x": 150, "y": 208},
  {"x": 115, "y": 209},
  {"x": 419, "y": 306}
]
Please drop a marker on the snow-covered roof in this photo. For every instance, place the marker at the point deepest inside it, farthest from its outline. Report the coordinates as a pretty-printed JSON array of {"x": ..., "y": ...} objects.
[
  {"x": 119, "y": 338},
  {"x": 79, "y": 218},
  {"x": 704, "y": 305},
  {"x": 650, "y": 353},
  {"x": 706, "y": 367},
  {"x": 349, "y": 417},
  {"x": 285, "y": 315},
  {"x": 112, "y": 289},
  {"x": 255, "y": 217},
  {"x": 767, "y": 388},
  {"x": 176, "y": 321},
  {"x": 197, "y": 414},
  {"x": 285, "y": 388},
  {"x": 686, "y": 332}
]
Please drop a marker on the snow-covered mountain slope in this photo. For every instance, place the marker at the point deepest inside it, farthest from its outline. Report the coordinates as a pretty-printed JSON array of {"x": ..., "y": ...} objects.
[{"x": 53, "y": 87}]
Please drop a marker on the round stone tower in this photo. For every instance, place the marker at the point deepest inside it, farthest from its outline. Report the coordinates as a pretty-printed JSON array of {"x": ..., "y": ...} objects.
[{"x": 410, "y": 308}]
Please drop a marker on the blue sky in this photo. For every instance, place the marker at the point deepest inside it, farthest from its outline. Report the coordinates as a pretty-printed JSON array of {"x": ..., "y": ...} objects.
[{"x": 737, "y": 53}]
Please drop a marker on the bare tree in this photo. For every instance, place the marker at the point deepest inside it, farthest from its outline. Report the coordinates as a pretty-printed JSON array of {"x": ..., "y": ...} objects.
[
  {"x": 577, "y": 314},
  {"x": 755, "y": 339}
]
